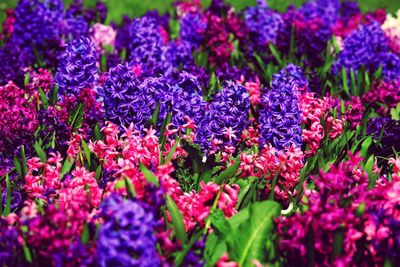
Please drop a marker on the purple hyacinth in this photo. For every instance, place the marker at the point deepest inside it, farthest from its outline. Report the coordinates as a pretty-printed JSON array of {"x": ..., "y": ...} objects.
[
  {"x": 292, "y": 75},
  {"x": 127, "y": 238},
  {"x": 348, "y": 9},
  {"x": 314, "y": 22},
  {"x": 263, "y": 25},
  {"x": 147, "y": 47},
  {"x": 389, "y": 132},
  {"x": 280, "y": 115},
  {"x": 36, "y": 23},
  {"x": 225, "y": 119},
  {"x": 77, "y": 67},
  {"x": 126, "y": 100},
  {"x": 181, "y": 98},
  {"x": 9, "y": 244},
  {"x": 367, "y": 47},
  {"x": 193, "y": 27}
]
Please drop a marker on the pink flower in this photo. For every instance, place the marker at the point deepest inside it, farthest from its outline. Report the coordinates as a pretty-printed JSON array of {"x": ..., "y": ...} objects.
[{"x": 102, "y": 35}]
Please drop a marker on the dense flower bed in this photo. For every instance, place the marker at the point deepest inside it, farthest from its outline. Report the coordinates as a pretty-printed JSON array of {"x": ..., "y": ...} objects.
[{"x": 200, "y": 137}]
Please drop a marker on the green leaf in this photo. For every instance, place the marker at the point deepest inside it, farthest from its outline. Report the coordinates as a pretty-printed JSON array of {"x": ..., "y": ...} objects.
[
  {"x": 17, "y": 165},
  {"x": 154, "y": 117},
  {"x": 248, "y": 241},
  {"x": 55, "y": 94},
  {"x": 150, "y": 177},
  {"x": 162, "y": 139},
  {"x": 87, "y": 152},
  {"x": 228, "y": 173},
  {"x": 272, "y": 194},
  {"x": 177, "y": 220},
  {"x": 378, "y": 73},
  {"x": 27, "y": 78},
  {"x": 7, "y": 210},
  {"x": 365, "y": 146},
  {"x": 172, "y": 151},
  {"x": 97, "y": 132},
  {"x": 66, "y": 168},
  {"x": 24, "y": 166},
  {"x": 40, "y": 152},
  {"x": 85, "y": 234},
  {"x": 75, "y": 119},
  {"x": 335, "y": 45},
  {"x": 130, "y": 188},
  {"x": 27, "y": 253},
  {"x": 276, "y": 54},
  {"x": 345, "y": 82},
  {"x": 43, "y": 98}
]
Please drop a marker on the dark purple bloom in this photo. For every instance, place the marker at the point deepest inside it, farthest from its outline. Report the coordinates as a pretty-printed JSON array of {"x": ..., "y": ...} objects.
[
  {"x": 126, "y": 100},
  {"x": 280, "y": 116},
  {"x": 10, "y": 247},
  {"x": 368, "y": 47},
  {"x": 127, "y": 238},
  {"x": 263, "y": 25},
  {"x": 77, "y": 67},
  {"x": 147, "y": 46},
  {"x": 193, "y": 27},
  {"x": 225, "y": 118},
  {"x": 389, "y": 132}
]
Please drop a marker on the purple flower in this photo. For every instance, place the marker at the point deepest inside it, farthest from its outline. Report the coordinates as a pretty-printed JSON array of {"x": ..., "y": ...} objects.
[
  {"x": 126, "y": 100},
  {"x": 9, "y": 244},
  {"x": 147, "y": 47},
  {"x": 263, "y": 25},
  {"x": 280, "y": 115},
  {"x": 193, "y": 27},
  {"x": 225, "y": 118},
  {"x": 77, "y": 67},
  {"x": 367, "y": 47},
  {"x": 127, "y": 238},
  {"x": 388, "y": 131}
]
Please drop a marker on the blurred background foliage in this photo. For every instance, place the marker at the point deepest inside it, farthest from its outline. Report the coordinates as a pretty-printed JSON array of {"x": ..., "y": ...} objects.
[{"x": 135, "y": 8}]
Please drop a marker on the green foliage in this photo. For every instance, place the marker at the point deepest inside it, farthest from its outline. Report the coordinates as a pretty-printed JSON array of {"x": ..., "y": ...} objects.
[{"x": 246, "y": 236}]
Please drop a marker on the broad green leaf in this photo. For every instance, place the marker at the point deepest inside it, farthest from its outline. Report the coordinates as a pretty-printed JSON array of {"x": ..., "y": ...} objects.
[
  {"x": 177, "y": 220},
  {"x": 150, "y": 177},
  {"x": 248, "y": 241}
]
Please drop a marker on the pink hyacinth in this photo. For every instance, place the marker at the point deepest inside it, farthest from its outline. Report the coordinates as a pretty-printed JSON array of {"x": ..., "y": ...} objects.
[
  {"x": 355, "y": 111},
  {"x": 254, "y": 90},
  {"x": 102, "y": 35},
  {"x": 269, "y": 162},
  {"x": 313, "y": 109}
]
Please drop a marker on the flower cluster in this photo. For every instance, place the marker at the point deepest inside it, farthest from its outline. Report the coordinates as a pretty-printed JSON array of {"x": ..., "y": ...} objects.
[
  {"x": 280, "y": 116},
  {"x": 77, "y": 68},
  {"x": 203, "y": 136}
]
